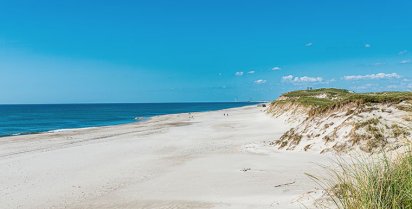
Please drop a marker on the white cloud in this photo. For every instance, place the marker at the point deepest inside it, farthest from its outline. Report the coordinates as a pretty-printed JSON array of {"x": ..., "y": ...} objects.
[
  {"x": 303, "y": 79},
  {"x": 372, "y": 76},
  {"x": 367, "y": 45},
  {"x": 405, "y": 61},
  {"x": 276, "y": 68},
  {"x": 260, "y": 81},
  {"x": 309, "y": 44},
  {"x": 287, "y": 78},
  {"x": 240, "y": 73},
  {"x": 403, "y": 52},
  {"x": 251, "y": 72},
  {"x": 308, "y": 79}
]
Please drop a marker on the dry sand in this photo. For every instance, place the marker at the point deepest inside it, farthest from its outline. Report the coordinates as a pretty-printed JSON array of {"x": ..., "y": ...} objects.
[{"x": 172, "y": 161}]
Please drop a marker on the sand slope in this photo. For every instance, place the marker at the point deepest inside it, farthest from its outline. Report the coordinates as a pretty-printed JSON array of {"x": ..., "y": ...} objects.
[{"x": 173, "y": 161}]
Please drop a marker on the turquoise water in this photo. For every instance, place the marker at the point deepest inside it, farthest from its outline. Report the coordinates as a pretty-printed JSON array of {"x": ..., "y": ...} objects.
[{"x": 26, "y": 119}]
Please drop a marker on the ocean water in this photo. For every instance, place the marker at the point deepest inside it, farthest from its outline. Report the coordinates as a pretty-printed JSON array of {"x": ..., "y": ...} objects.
[{"x": 26, "y": 119}]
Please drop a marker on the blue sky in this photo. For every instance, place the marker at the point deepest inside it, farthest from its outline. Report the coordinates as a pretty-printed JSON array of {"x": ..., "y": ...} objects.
[{"x": 181, "y": 51}]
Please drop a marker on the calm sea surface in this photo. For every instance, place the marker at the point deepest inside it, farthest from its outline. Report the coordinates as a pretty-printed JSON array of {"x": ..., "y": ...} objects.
[{"x": 26, "y": 119}]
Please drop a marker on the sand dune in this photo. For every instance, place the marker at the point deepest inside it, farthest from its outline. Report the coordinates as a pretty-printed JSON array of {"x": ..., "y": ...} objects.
[{"x": 173, "y": 161}]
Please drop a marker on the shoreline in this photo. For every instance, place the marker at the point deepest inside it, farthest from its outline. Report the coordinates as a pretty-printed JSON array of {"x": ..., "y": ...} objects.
[
  {"x": 202, "y": 160},
  {"x": 144, "y": 118}
]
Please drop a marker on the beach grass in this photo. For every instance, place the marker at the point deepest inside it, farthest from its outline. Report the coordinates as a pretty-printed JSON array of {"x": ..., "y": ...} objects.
[
  {"x": 381, "y": 183},
  {"x": 324, "y": 99}
]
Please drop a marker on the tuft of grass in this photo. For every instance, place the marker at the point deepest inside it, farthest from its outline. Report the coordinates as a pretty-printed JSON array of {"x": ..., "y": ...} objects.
[
  {"x": 289, "y": 138},
  {"x": 370, "y": 122},
  {"x": 399, "y": 131},
  {"x": 373, "y": 135},
  {"x": 406, "y": 107},
  {"x": 383, "y": 183}
]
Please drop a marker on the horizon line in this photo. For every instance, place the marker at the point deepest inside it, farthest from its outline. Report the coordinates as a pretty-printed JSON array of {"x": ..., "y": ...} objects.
[{"x": 91, "y": 103}]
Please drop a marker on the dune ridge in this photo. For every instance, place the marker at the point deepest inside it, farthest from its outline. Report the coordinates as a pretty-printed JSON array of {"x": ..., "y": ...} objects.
[{"x": 337, "y": 120}]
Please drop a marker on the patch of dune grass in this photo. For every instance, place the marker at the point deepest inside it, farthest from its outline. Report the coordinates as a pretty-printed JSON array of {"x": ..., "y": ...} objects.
[
  {"x": 330, "y": 92},
  {"x": 380, "y": 97},
  {"x": 312, "y": 101},
  {"x": 383, "y": 183},
  {"x": 321, "y": 100}
]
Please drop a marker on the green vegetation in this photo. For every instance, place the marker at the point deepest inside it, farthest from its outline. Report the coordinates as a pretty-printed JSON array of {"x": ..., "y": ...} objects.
[
  {"x": 399, "y": 131},
  {"x": 407, "y": 108},
  {"x": 370, "y": 122},
  {"x": 331, "y": 92},
  {"x": 321, "y": 100},
  {"x": 290, "y": 138},
  {"x": 377, "y": 181},
  {"x": 382, "y": 183},
  {"x": 373, "y": 135}
]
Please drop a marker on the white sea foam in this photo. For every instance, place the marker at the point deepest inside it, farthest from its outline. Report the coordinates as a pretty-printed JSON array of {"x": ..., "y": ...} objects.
[{"x": 70, "y": 129}]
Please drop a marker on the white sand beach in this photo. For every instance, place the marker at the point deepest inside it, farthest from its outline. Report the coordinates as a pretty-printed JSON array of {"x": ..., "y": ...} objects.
[{"x": 185, "y": 161}]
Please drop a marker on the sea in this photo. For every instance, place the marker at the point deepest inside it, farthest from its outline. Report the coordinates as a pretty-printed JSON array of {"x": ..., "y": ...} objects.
[{"x": 37, "y": 118}]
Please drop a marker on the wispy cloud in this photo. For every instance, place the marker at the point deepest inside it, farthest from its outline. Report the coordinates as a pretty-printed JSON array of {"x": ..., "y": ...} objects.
[
  {"x": 403, "y": 52},
  {"x": 378, "y": 64},
  {"x": 251, "y": 72},
  {"x": 240, "y": 73},
  {"x": 287, "y": 78},
  {"x": 367, "y": 45},
  {"x": 276, "y": 68},
  {"x": 397, "y": 85},
  {"x": 260, "y": 81},
  {"x": 372, "y": 76},
  {"x": 309, "y": 44},
  {"x": 303, "y": 79},
  {"x": 405, "y": 61}
]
